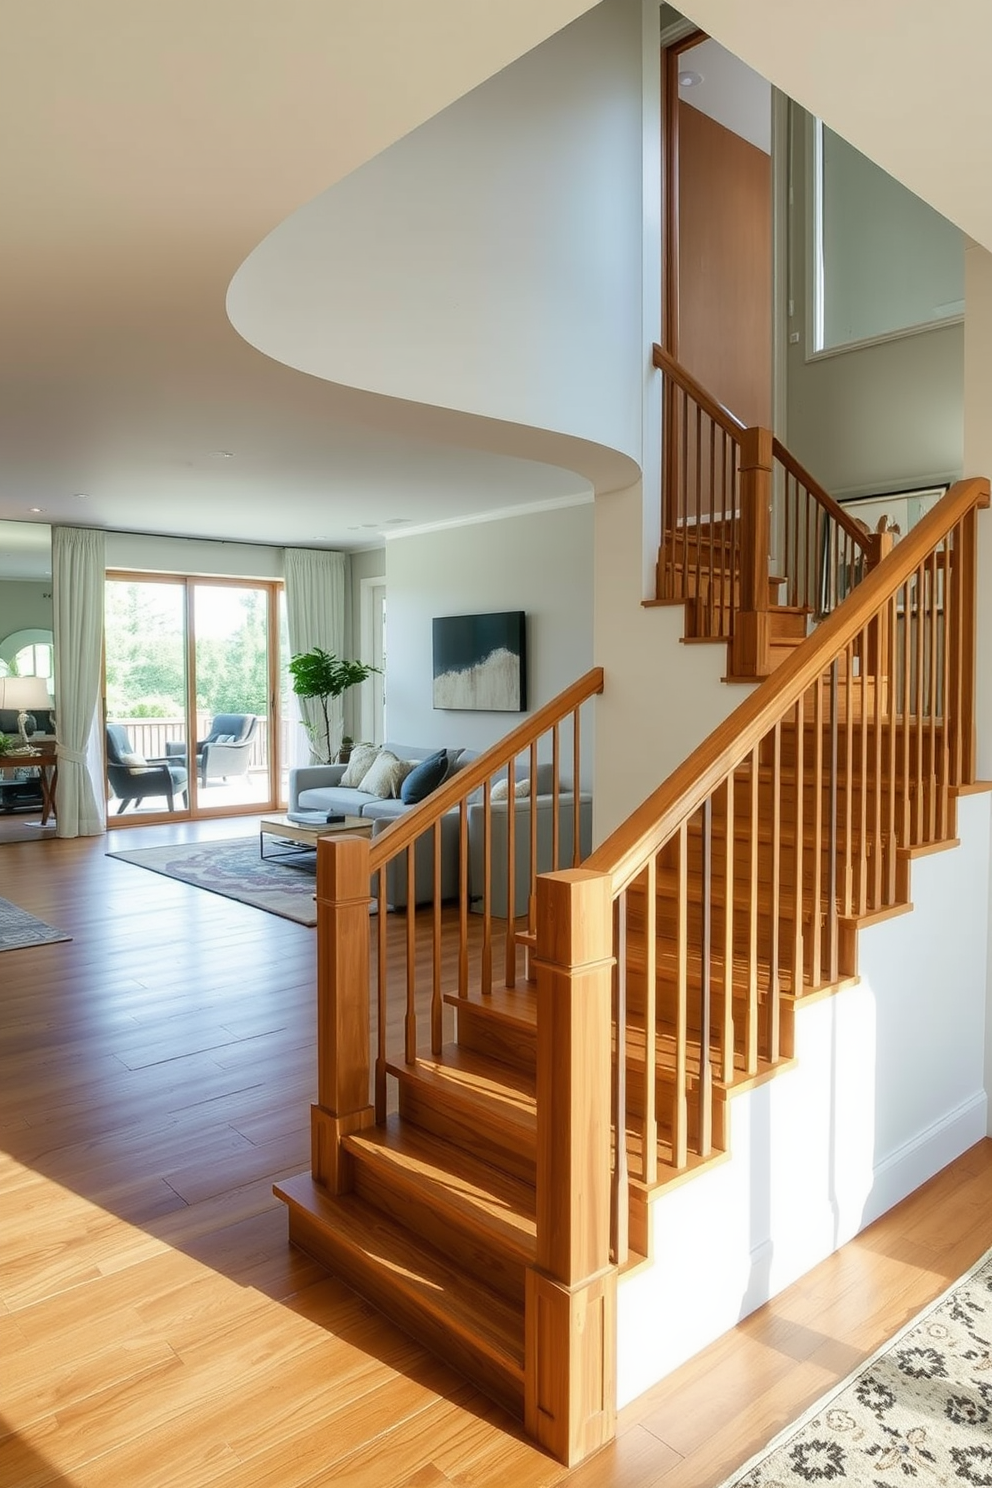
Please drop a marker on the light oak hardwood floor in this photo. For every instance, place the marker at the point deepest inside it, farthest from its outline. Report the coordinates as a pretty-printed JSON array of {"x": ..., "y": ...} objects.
[{"x": 155, "y": 1326}]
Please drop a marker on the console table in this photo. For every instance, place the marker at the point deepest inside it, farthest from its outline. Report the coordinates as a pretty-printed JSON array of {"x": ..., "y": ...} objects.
[{"x": 45, "y": 761}]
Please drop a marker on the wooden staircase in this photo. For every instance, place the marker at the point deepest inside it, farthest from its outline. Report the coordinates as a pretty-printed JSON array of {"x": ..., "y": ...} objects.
[{"x": 486, "y": 1175}]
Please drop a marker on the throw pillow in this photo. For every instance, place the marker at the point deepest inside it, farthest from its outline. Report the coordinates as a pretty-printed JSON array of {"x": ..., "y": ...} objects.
[
  {"x": 386, "y": 776},
  {"x": 132, "y": 759},
  {"x": 226, "y": 739},
  {"x": 424, "y": 778},
  {"x": 501, "y": 789},
  {"x": 362, "y": 759}
]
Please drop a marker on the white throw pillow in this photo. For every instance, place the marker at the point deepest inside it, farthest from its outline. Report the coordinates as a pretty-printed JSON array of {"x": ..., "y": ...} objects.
[
  {"x": 361, "y": 762},
  {"x": 225, "y": 739},
  {"x": 501, "y": 789},
  {"x": 132, "y": 760},
  {"x": 386, "y": 776}
]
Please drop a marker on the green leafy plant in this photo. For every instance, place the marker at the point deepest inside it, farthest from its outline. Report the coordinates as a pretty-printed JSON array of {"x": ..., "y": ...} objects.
[
  {"x": 6, "y": 743},
  {"x": 322, "y": 675}
]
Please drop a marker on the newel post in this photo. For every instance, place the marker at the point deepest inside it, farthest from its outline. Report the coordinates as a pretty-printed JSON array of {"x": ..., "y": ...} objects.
[
  {"x": 751, "y": 646},
  {"x": 342, "y": 1006},
  {"x": 570, "y": 1375}
]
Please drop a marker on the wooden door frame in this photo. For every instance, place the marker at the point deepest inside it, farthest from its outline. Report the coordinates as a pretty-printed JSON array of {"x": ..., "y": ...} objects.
[{"x": 671, "y": 54}]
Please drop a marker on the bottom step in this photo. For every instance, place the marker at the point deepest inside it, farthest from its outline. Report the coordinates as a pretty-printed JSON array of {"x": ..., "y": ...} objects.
[{"x": 468, "y": 1324}]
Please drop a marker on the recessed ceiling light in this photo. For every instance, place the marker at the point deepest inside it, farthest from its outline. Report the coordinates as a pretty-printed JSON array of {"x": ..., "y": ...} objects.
[
  {"x": 689, "y": 79},
  {"x": 224, "y": 454},
  {"x": 36, "y": 508},
  {"x": 79, "y": 495}
]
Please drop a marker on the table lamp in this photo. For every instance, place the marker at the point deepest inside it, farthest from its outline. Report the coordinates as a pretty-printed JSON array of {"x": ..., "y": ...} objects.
[{"x": 21, "y": 694}]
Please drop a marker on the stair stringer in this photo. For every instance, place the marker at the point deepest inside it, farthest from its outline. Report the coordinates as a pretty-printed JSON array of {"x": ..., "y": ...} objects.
[{"x": 889, "y": 1085}]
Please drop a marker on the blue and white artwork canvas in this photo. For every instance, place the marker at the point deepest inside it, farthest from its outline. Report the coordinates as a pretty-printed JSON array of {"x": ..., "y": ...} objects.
[{"x": 480, "y": 662}]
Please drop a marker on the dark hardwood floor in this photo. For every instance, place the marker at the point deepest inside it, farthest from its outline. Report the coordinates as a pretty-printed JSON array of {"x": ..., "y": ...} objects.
[{"x": 155, "y": 1078}]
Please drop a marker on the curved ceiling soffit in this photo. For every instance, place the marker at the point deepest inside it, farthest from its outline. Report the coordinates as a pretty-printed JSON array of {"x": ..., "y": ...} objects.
[{"x": 440, "y": 284}]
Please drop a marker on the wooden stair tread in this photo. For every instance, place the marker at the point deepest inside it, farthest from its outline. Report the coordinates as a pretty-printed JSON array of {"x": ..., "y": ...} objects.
[
  {"x": 514, "y": 1005},
  {"x": 665, "y": 1060},
  {"x": 475, "y": 1078},
  {"x": 418, "y": 1286},
  {"x": 453, "y": 1181}
]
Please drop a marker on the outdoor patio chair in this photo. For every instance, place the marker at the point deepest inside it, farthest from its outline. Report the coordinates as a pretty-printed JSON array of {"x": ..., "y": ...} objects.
[
  {"x": 226, "y": 751},
  {"x": 132, "y": 777}
]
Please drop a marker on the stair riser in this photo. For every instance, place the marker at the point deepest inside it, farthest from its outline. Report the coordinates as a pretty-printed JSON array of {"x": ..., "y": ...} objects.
[
  {"x": 470, "y": 1251},
  {"x": 496, "y": 1038},
  {"x": 384, "y": 1290},
  {"x": 465, "y": 1126}
]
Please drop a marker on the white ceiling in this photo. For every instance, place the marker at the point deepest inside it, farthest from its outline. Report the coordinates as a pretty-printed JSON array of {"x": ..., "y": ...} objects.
[
  {"x": 145, "y": 150},
  {"x": 729, "y": 92}
]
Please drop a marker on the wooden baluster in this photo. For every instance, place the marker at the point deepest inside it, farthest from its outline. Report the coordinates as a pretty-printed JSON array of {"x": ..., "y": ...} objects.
[
  {"x": 727, "y": 1019},
  {"x": 814, "y": 697},
  {"x": 463, "y": 899},
  {"x": 889, "y": 678},
  {"x": 555, "y": 793},
  {"x": 437, "y": 1006},
  {"x": 487, "y": 886},
  {"x": 847, "y": 829},
  {"x": 620, "y": 1187},
  {"x": 751, "y": 1013},
  {"x": 342, "y": 1104},
  {"x": 876, "y": 629},
  {"x": 510, "y": 942},
  {"x": 532, "y": 806},
  {"x": 906, "y": 711},
  {"x": 833, "y": 927},
  {"x": 861, "y": 783},
  {"x": 680, "y": 1110},
  {"x": 957, "y": 651},
  {"x": 649, "y": 1165},
  {"x": 775, "y": 906},
  {"x": 705, "y": 1092},
  {"x": 570, "y": 1299},
  {"x": 711, "y": 588},
  {"x": 382, "y": 970},
  {"x": 684, "y": 497},
  {"x": 697, "y": 503},
  {"x": 410, "y": 1021},
  {"x": 790, "y": 518},
  {"x": 932, "y": 698},
  {"x": 752, "y": 637},
  {"x": 576, "y": 790},
  {"x": 798, "y": 879},
  {"x": 919, "y": 630},
  {"x": 944, "y": 821}
]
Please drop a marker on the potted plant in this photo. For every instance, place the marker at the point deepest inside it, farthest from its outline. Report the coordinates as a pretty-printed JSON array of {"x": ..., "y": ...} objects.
[
  {"x": 322, "y": 675},
  {"x": 344, "y": 753}
]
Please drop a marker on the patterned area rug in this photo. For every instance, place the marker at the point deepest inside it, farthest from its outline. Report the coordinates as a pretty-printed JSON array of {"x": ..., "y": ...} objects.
[
  {"x": 918, "y": 1412},
  {"x": 233, "y": 868},
  {"x": 18, "y": 929}
]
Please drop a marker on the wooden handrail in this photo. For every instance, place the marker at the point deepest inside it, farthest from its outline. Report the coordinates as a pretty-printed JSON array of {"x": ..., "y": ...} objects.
[
  {"x": 823, "y": 498},
  {"x": 726, "y": 420},
  {"x": 412, "y": 824},
  {"x": 625, "y": 851}
]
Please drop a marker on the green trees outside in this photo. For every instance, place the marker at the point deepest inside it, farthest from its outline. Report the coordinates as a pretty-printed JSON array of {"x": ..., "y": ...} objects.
[{"x": 146, "y": 657}]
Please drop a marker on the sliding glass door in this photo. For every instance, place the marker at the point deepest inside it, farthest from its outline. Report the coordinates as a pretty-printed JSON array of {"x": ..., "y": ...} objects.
[{"x": 191, "y": 685}]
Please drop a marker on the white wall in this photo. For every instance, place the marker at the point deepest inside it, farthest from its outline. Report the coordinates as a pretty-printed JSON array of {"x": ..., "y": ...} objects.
[
  {"x": 488, "y": 262},
  {"x": 978, "y": 461},
  {"x": 888, "y": 1088},
  {"x": 541, "y": 563},
  {"x": 661, "y": 698}
]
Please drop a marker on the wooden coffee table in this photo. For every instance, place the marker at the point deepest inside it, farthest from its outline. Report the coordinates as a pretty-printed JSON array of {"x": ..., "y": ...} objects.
[{"x": 299, "y": 838}]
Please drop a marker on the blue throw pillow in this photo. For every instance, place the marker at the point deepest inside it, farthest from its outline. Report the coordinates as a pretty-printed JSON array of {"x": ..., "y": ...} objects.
[{"x": 424, "y": 778}]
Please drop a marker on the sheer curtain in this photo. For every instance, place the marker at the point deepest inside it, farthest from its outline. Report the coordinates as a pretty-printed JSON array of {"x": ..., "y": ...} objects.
[
  {"x": 78, "y": 580},
  {"x": 316, "y": 594}
]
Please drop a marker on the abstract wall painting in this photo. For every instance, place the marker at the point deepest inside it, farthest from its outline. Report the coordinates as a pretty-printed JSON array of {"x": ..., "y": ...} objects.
[{"x": 480, "y": 662}]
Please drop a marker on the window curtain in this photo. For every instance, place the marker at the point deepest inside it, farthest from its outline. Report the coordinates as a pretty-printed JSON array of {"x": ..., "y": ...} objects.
[
  {"x": 78, "y": 580},
  {"x": 316, "y": 606}
]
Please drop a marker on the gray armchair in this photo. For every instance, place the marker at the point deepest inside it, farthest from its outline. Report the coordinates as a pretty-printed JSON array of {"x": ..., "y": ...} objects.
[
  {"x": 132, "y": 777},
  {"x": 226, "y": 750}
]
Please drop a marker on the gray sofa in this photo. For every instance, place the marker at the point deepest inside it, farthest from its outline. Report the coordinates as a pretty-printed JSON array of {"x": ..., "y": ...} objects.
[{"x": 317, "y": 788}]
